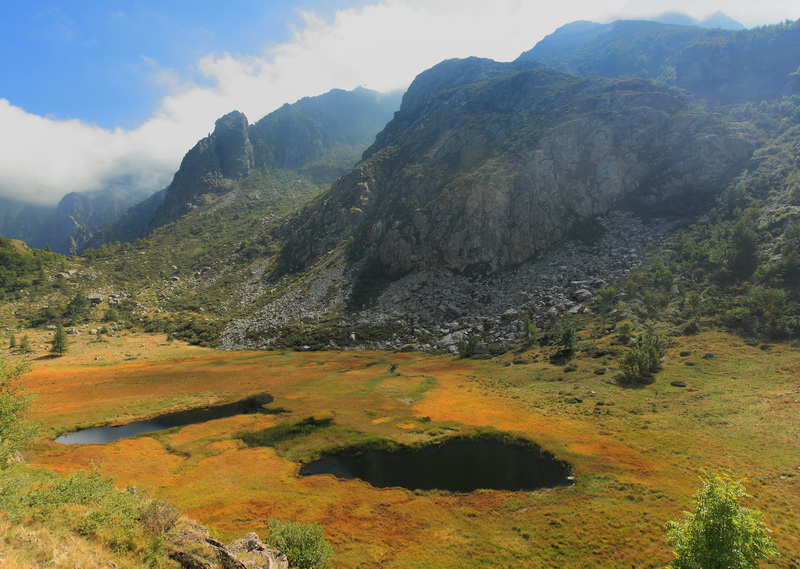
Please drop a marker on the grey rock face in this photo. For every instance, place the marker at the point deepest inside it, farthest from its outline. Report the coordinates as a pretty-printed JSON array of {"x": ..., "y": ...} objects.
[
  {"x": 491, "y": 172},
  {"x": 193, "y": 548},
  {"x": 226, "y": 153}
]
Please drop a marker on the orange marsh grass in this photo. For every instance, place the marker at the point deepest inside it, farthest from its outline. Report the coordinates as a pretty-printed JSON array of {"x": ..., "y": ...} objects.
[{"x": 637, "y": 456}]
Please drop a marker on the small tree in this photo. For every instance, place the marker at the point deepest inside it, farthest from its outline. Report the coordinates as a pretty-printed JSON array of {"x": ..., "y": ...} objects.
[
  {"x": 12, "y": 342},
  {"x": 15, "y": 430},
  {"x": 25, "y": 344},
  {"x": 639, "y": 364},
  {"x": 624, "y": 332},
  {"x": 721, "y": 533},
  {"x": 304, "y": 544},
  {"x": 58, "y": 345},
  {"x": 78, "y": 308},
  {"x": 469, "y": 346}
]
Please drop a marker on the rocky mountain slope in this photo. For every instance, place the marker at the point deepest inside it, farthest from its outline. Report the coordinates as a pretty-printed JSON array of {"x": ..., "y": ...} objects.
[
  {"x": 498, "y": 192},
  {"x": 485, "y": 167},
  {"x": 493, "y": 171}
]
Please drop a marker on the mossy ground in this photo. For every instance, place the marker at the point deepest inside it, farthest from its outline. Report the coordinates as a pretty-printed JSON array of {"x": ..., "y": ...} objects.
[{"x": 637, "y": 453}]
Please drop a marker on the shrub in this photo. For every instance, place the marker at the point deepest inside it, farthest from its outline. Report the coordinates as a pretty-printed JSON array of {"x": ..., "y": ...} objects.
[
  {"x": 15, "y": 430},
  {"x": 88, "y": 504},
  {"x": 721, "y": 533},
  {"x": 561, "y": 332},
  {"x": 112, "y": 315},
  {"x": 639, "y": 364},
  {"x": 78, "y": 309},
  {"x": 469, "y": 346},
  {"x": 624, "y": 332},
  {"x": 303, "y": 543}
]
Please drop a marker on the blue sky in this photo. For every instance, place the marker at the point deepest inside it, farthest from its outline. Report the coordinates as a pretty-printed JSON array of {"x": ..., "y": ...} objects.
[
  {"x": 98, "y": 60},
  {"x": 97, "y": 91}
]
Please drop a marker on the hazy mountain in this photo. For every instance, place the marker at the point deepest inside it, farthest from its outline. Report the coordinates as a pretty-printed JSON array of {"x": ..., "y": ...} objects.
[
  {"x": 317, "y": 137},
  {"x": 25, "y": 221},
  {"x": 64, "y": 227},
  {"x": 715, "y": 20},
  {"x": 722, "y": 66}
]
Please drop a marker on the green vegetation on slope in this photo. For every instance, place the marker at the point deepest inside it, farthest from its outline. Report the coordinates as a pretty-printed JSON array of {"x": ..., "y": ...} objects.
[
  {"x": 22, "y": 267},
  {"x": 738, "y": 265}
]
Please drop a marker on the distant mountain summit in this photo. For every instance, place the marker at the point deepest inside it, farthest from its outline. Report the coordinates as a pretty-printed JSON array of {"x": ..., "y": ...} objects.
[
  {"x": 318, "y": 138},
  {"x": 721, "y": 66},
  {"x": 66, "y": 226},
  {"x": 716, "y": 20},
  {"x": 227, "y": 153}
]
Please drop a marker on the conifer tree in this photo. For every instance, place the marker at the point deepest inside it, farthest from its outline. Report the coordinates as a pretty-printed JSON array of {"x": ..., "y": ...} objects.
[{"x": 58, "y": 345}]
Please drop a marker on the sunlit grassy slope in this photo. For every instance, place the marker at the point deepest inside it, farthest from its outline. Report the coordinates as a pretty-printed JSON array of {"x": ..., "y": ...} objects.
[{"x": 637, "y": 453}]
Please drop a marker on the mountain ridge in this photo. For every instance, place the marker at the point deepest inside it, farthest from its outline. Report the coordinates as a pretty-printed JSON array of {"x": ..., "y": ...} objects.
[{"x": 720, "y": 66}]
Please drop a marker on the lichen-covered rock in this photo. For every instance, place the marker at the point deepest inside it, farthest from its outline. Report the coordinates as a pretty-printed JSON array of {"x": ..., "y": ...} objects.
[{"x": 194, "y": 548}]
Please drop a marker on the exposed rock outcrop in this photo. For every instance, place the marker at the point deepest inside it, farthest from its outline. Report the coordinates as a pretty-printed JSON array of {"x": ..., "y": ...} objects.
[
  {"x": 193, "y": 548},
  {"x": 317, "y": 137},
  {"x": 225, "y": 153}
]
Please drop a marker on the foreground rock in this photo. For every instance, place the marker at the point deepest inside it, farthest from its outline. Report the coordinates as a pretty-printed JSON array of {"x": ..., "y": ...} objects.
[{"x": 194, "y": 548}]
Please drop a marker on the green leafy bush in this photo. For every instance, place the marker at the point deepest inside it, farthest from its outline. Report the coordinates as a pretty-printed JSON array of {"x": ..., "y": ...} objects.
[
  {"x": 642, "y": 361},
  {"x": 561, "y": 332},
  {"x": 639, "y": 364},
  {"x": 86, "y": 503},
  {"x": 15, "y": 430},
  {"x": 303, "y": 543},
  {"x": 721, "y": 533}
]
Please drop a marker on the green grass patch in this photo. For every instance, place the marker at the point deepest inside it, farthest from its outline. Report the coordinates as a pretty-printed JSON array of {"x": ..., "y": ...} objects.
[{"x": 285, "y": 431}]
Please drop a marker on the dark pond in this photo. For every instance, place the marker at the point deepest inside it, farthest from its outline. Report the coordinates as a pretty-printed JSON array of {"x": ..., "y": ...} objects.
[
  {"x": 100, "y": 435},
  {"x": 458, "y": 464}
]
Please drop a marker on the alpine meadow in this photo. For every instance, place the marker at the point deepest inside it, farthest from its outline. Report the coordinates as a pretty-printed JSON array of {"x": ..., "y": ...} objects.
[{"x": 539, "y": 313}]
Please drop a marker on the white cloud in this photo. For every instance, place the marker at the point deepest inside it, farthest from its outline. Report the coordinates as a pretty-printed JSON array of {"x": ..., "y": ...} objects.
[
  {"x": 381, "y": 46},
  {"x": 42, "y": 159}
]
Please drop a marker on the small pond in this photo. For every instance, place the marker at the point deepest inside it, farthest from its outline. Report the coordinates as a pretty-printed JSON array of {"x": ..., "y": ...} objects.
[
  {"x": 457, "y": 464},
  {"x": 100, "y": 435}
]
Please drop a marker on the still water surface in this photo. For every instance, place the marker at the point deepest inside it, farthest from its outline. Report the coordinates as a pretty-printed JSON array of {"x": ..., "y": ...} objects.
[
  {"x": 101, "y": 435},
  {"x": 457, "y": 464}
]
